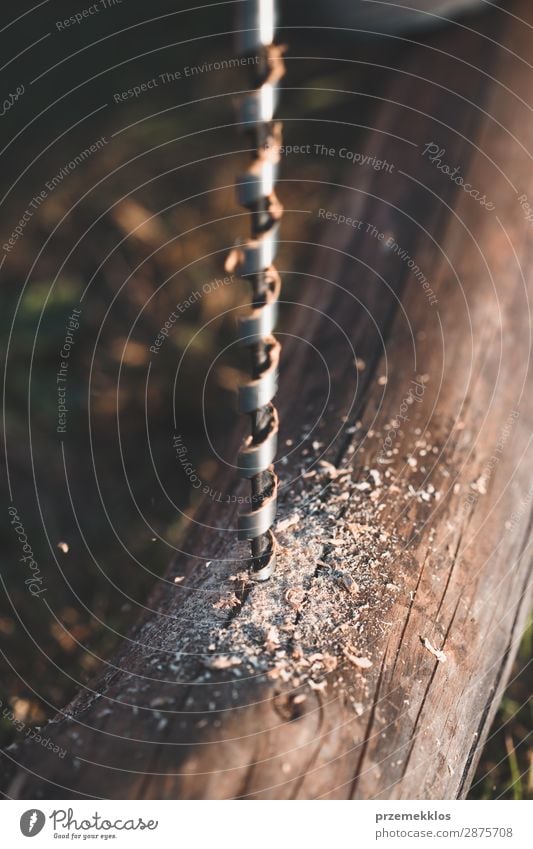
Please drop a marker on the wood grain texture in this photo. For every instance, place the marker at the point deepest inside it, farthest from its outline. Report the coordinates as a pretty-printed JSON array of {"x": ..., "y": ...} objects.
[{"x": 274, "y": 697}]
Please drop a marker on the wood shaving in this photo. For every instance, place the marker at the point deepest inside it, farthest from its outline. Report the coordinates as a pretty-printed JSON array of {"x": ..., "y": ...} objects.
[
  {"x": 318, "y": 685},
  {"x": 295, "y": 596},
  {"x": 332, "y": 471},
  {"x": 360, "y": 662},
  {"x": 325, "y": 607},
  {"x": 347, "y": 582},
  {"x": 227, "y": 602},
  {"x": 294, "y": 519},
  {"x": 480, "y": 485},
  {"x": 272, "y": 639},
  {"x": 329, "y": 662}
]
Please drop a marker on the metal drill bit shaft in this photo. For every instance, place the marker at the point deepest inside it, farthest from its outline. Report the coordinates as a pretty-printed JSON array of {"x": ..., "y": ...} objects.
[{"x": 253, "y": 259}]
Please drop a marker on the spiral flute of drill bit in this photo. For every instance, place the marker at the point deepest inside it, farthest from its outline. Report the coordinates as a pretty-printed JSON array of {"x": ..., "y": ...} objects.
[{"x": 253, "y": 259}]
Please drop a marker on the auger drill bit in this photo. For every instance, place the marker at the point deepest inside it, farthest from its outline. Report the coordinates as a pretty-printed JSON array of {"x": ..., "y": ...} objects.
[{"x": 253, "y": 259}]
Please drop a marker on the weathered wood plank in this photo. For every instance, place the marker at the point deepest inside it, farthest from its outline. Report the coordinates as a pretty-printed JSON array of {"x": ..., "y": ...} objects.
[{"x": 275, "y": 697}]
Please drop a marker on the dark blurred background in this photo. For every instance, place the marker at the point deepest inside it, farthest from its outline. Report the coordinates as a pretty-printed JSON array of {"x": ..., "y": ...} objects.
[{"x": 124, "y": 236}]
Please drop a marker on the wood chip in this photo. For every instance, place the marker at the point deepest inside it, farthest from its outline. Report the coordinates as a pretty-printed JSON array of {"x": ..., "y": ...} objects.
[
  {"x": 222, "y": 662},
  {"x": 320, "y": 686},
  {"x": 227, "y": 602},
  {"x": 347, "y": 583},
  {"x": 480, "y": 485},
  {"x": 272, "y": 639},
  {"x": 361, "y": 662},
  {"x": 357, "y": 529},
  {"x": 332, "y": 470},
  {"x": 295, "y": 596},
  {"x": 294, "y": 519}
]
